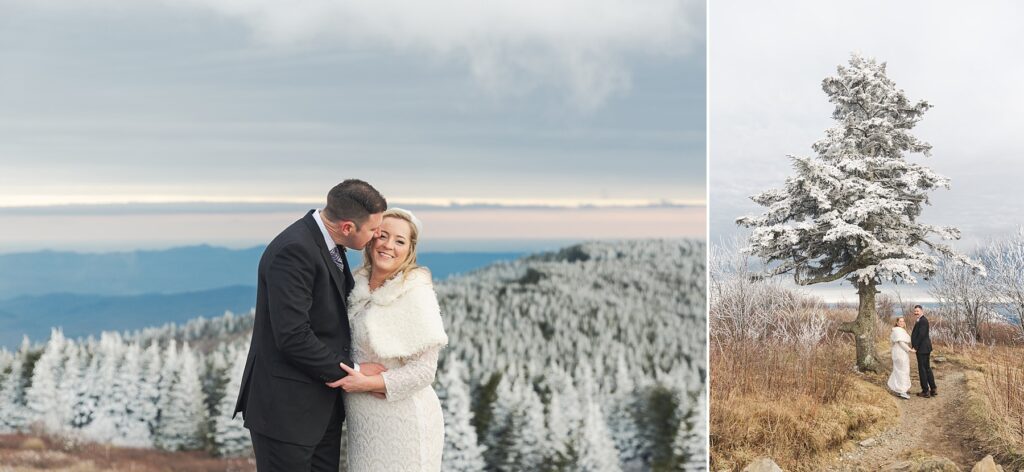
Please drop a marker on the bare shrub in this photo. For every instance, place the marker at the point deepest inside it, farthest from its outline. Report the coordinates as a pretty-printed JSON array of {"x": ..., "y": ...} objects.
[
  {"x": 1005, "y": 261},
  {"x": 965, "y": 303},
  {"x": 745, "y": 308}
]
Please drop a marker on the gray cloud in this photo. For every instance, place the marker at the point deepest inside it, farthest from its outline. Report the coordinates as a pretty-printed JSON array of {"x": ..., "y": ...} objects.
[
  {"x": 581, "y": 47},
  {"x": 191, "y": 99}
]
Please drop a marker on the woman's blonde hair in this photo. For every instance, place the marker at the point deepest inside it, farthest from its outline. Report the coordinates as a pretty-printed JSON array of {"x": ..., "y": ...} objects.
[{"x": 409, "y": 264}]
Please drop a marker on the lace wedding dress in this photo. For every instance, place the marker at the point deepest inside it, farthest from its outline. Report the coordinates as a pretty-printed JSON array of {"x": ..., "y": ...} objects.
[
  {"x": 404, "y": 432},
  {"x": 899, "y": 380}
]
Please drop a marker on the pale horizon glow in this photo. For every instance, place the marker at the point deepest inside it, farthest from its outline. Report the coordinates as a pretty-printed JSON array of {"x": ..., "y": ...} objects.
[
  {"x": 515, "y": 228},
  {"x": 29, "y": 201}
]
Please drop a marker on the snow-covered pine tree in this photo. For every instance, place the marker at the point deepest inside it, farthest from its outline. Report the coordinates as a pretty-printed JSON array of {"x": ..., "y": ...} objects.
[
  {"x": 230, "y": 438},
  {"x": 108, "y": 391},
  {"x": 462, "y": 451},
  {"x": 527, "y": 449},
  {"x": 69, "y": 384},
  {"x": 597, "y": 450},
  {"x": 564, "y": 417},
  {"x": 89, "y": 389},
  {"x": 689, "y": 447},
  {"x": 43, "y": 397},
  {"x": 169, "y": 366},
  {"x": 502, "y": 427},
  {"x": 185, "y": 414},
  {"x": 133, "y": 425},
  {"x": 12, "y": 396},
  {"x": 851, "y": 210},
  {"x": 149, "y": 391},
  {"x": 621, "y": 414}
]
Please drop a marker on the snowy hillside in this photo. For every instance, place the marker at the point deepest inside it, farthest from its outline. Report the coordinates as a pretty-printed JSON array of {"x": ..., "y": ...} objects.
[{"x": 589, "y": 358}]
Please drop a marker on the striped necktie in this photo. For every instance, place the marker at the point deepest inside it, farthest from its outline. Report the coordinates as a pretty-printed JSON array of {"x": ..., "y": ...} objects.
[{"x": 336, "y": 256}]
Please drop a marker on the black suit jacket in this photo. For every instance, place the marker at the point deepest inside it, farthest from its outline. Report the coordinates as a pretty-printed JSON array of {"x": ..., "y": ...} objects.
[
  {"x": 919, "y": 337},
  {"x": 299, "y": 336}
]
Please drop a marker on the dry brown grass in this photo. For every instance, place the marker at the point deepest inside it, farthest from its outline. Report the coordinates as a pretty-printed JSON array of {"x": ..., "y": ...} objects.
[
  {"x": 797, "y": 407},
  {"x": 995, "y": 400},
  {"x": 33, "y": 453}
]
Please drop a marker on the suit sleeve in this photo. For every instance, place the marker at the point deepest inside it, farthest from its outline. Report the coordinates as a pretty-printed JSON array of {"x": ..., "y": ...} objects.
[{"x": 290, "y": 296}]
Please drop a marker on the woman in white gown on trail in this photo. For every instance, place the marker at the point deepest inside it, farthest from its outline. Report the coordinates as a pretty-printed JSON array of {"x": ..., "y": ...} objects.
[
  {"x": 899, "y": 380},
  {"x": 394, "y": 419}
]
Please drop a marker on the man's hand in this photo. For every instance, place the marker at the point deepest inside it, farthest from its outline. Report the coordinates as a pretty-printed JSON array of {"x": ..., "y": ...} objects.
[
  {"x": 358, "y": 381},
  {"x": 368, "y": 369}
]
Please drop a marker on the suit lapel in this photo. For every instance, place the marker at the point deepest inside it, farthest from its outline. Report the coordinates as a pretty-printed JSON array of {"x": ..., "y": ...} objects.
[
  {"x": 339, "y": 279},
  {"x": 350, "y": 282}
]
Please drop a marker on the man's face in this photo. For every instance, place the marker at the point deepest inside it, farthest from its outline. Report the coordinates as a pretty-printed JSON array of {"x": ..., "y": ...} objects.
[
  {"x": 917, "y": 313},
  {"x": 357, "y": 238}
]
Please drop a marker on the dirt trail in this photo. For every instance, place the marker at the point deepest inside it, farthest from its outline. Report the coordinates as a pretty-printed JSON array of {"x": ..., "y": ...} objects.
[{"x": 927, "y": 427}]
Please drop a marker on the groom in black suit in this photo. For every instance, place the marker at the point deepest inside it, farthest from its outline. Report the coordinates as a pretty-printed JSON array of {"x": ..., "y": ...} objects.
[
  {"x": 922, "y": 343},
  {"x": 301, "y": 334}
]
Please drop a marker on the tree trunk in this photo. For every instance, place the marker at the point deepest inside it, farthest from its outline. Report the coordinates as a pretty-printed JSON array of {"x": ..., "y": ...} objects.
[{"x": 863, "y": 328}]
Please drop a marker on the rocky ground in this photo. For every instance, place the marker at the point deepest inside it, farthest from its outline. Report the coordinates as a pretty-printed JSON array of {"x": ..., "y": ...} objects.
[{"x": 927, "y": 427}]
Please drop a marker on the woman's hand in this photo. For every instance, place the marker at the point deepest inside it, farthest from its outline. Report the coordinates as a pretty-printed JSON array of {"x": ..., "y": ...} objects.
[
  {"x": 356, "y": 382},
  {"x": 913, "y": 350}
]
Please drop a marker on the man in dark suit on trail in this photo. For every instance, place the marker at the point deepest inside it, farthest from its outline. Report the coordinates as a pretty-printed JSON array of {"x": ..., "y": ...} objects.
[
  {"x": 922, "y": 344},
  {"x": 301, "y": 333}
]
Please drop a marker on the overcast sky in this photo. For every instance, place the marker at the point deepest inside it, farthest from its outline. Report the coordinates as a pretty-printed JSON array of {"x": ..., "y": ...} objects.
[
  {"x": 766, "y": 64},
  {"x": 566, "y": 102}
]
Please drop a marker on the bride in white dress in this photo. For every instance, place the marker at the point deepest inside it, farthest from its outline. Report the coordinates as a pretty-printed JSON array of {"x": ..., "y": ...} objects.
[
  {"x": 394, "y": 419},
  {"x": 899, "y": 380}
]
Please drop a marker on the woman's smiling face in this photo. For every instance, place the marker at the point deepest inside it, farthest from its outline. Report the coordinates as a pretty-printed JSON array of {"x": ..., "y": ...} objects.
[{"x": 391, "y": 248}]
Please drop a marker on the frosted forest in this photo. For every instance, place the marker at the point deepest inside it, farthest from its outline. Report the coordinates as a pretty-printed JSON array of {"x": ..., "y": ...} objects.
[{"x": 591, "y": 358}]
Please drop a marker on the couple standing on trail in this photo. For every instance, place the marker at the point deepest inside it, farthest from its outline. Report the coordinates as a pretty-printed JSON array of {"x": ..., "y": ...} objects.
[{"x": 918, "y": 342}]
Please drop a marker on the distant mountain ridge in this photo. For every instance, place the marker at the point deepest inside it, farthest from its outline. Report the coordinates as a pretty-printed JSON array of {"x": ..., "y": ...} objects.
[
  {"x": 182, "y": 269},
  {"x": 176, "y": 270},
  {"x": 83, "y": 315},
  {"x": 89, "y": 293}
]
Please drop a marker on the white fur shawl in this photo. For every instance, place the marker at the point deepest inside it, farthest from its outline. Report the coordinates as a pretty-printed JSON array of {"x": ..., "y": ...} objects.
[
  {"x": 898, "y": 335},
  {"x": 402, "y": 316}
]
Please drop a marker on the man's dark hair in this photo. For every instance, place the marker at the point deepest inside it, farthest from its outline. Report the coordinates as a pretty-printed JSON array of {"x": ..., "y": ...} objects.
[
  {"x": 354, "y": 200},
  {"x": 918, "y": 306}
]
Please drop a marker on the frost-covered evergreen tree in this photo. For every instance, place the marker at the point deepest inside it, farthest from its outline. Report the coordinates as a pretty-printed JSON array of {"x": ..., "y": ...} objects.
[
  {"x": 169, "y": 366},
  {"x": 69, "y": 385},
  {"x": 501, "y": 431},
  {"x": 597, "y": 450},
  {"x": 43, "y": 396},
  {"x": 12, "y": 396},
  {"x": 689, "y": 446},
  {"x": 526, "y": 446},
  {"x": 230, "y": 438},
  {"x": 621, "y": 417},
  {"x": 182, "y": 420},
  {"x": 133, "y": 424},
  {"x": 462, "y": 452},
  {"x": 149, "y": 391},
  {"x": 564, "y": 418},
  {"x": 851, "y": 210},
  {"x": 109, "y": 390}
]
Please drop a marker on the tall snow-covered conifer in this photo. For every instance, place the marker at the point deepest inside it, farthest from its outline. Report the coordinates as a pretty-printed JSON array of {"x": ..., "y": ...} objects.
[
  {"x": 230, "y": 438},
  {"x": 12, "y": 396},
  {"x": 462, "y": 451},
  {"x": 851, "y": 210},
  {"x": 43, "y": 396}
]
